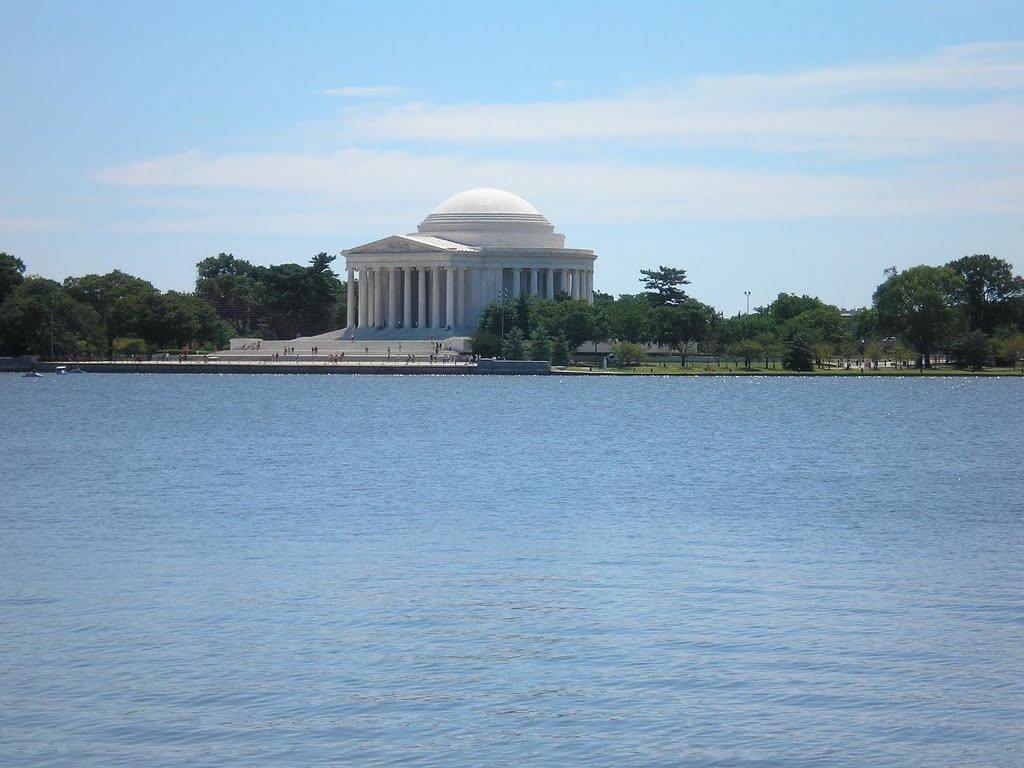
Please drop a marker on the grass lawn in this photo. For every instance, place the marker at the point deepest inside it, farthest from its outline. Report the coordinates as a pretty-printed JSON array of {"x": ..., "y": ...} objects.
[{"x": 674, "y": 369}]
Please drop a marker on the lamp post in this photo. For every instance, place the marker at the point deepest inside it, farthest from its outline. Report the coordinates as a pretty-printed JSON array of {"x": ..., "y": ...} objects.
[
  {"x": 502, "y": 298},
  {"x": 747, "y": 294}
]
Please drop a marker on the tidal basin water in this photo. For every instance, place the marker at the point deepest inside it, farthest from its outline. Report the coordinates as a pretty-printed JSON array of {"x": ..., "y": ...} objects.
[{"x": 461, "y": 571}]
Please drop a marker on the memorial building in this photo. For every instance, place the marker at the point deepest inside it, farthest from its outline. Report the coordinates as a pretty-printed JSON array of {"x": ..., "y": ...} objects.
[{"x": 474, "y": 249}]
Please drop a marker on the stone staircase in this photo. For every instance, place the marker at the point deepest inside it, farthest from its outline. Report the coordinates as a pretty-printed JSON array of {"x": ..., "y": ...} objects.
[{"x": 366, "y": 346}]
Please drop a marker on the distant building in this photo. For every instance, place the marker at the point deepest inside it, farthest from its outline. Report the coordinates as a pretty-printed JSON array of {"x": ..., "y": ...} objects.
[{"x": 472, "y": 249}]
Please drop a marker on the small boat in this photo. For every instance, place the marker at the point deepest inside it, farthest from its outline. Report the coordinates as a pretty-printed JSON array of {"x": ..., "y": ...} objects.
[
  {"x": 32, "y": 375},
  {"x": 61, "y": 370}
]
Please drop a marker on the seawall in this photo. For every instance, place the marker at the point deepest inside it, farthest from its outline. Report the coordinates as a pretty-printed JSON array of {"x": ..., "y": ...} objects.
[{"x": 482, "y": 368}]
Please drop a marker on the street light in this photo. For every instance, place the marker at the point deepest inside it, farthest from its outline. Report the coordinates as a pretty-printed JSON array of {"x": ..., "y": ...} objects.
[
  {"x": 503, "y": 295},
  {"x": 747, "y": 294}
]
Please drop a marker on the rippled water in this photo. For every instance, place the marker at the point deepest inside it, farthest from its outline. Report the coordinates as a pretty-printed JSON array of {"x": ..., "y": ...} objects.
[{"x": 299, "y": 570}]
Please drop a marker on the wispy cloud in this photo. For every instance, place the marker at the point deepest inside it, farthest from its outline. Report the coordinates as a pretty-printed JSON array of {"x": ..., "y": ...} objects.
[
  {"x": 966, "y": 94},
  {"x": 952, "y": 121},
  {"x": 23, "y": 225},
  {"x": 364, "y": 179},
  {"x": 363, "y": 91},
  {"x": 975, "y": 67}
]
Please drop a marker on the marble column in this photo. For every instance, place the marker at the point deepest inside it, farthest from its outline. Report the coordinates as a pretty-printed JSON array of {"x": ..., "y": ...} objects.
[
  {"x": 533, "y": 281},
  {"x": 364, "y": 284},
  {"x": 549, "y": 284},
  {"x": 517, "y": 275},
  {"x": 407, "y": 298},
  {"x": 467, "y": 298},
  {"x": 459, "y": 275},
  {"x": 576, "y": 283},
  {"x": 380, "y": 277},
  {"x": 350, "y": 319},
  {"x": 590, "y": 286},
  {"x": 449, "y": 304},
  {"x": 435, "y": 297},
  {"x": 371, "y": 281},
  {"x": 393, "y": 283},
  {"x": 421, "y": 307}
]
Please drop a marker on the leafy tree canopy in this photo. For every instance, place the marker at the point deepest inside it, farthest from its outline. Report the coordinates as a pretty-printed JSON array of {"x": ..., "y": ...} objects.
[
  {"x": 991, "y": 294},
  {"x": 631, "y": 319},
  {"x": 40, "y": 309},
  {"x": 664, "y": 285},
  {"x": 788, "y": 305},
  {"x": 919, "y": 304},
  {"x": 678, "y": 326},
  {"x": 12, "y": 271},
  {"x": 223, "y": 264}
]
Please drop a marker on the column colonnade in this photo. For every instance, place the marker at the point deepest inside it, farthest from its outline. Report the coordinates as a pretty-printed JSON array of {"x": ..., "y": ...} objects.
[{"x": 450, "y": 296}]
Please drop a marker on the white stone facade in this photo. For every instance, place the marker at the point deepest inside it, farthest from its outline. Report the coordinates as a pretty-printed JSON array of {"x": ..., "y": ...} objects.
[{"x": 473, "y": 249}]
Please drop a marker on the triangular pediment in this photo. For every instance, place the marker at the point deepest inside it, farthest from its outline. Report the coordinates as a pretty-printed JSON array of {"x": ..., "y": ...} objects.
[{"x": 405, "y": 244}]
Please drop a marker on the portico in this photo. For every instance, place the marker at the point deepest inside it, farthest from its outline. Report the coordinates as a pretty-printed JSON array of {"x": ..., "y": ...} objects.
[{"x": 471, "y": 250}]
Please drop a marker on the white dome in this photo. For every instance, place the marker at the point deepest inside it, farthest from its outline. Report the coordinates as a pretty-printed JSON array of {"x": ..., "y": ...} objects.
[
  {"x": 491, "y": 218},
  {"x": 485, "y": 201}
]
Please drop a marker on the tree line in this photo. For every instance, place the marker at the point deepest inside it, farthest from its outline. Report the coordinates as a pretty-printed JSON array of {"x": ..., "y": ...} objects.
[
  {"x": 120, "y": 315},
  {"x": 971, "y": 309}
]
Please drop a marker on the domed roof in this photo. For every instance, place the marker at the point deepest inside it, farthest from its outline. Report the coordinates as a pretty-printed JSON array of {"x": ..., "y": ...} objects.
[
  {"x": 491, "y": 217},
  {"x": 485, "y": 201}
]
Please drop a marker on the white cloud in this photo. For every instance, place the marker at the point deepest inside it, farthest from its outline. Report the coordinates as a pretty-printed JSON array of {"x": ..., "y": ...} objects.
[
  {"x": 23, "y": 225},
  {"x": 964, "y": 94},
  {"x": 974, "y": 66},
  {"x": 364, "y": 180},
  {"x": 363, "y": 91},
  {"x": 960, "y": 153}
]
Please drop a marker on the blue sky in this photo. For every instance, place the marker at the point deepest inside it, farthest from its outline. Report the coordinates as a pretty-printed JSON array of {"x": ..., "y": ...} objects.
[{"x": 798, "y": 147}]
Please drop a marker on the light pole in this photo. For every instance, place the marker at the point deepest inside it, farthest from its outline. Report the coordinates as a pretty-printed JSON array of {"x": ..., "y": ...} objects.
[
  {"x": 747, "y": 294},
  {"x": 52, "y": 298},
  {"x": 502, "y": 298}
]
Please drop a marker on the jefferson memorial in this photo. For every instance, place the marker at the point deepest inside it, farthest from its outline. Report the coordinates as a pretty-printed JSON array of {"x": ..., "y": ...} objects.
[{"x": 472, "y": 250}]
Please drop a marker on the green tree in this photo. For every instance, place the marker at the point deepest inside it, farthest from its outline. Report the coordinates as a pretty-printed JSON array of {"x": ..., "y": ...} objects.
[
  {"x": 514, "y": 346},
  {"x": 129, "y": 348},
  {"x": 865, "y": 324},
  {"x": 502, "y": 317},
  {"x": 40, "y": 310},
  {"x": 126, "y": 303},
  {"x": 972, "y": 350},
  {"x": 631, "y": 319},
  {"x": 799, "y": 356},
  {"x": 321, "y": 291},
  {"x": 823, "y": 351},
  {"x": 991, "y": 293},
  {"x": 788, "y": 305},
  {"x": 560, "y": 353},
  {"x": 485, "y": 343},
  {"x": 824, "y": 324},
  {"x": 223, "y": 264},
  {"x": 919, "y": 304},
  {"x": 664, "y": 285},
  {"x": 742, "y": 327},
  {"x": 12, "y": 272},
  {"x": 747, "y": 349},
  {"x": 186, "y": 320},
  {"x": 542, "y": 346},
  {"x": 579, "y": 323},
  {"x": 680, "y": 325},
  {"x": 772, "y": 348},
  {"x": 1009, "y": 349},
  {"x": 627, "y": 353},
  {"x": 874, "y": 352},
  {"x": 237, "y": 298}
]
